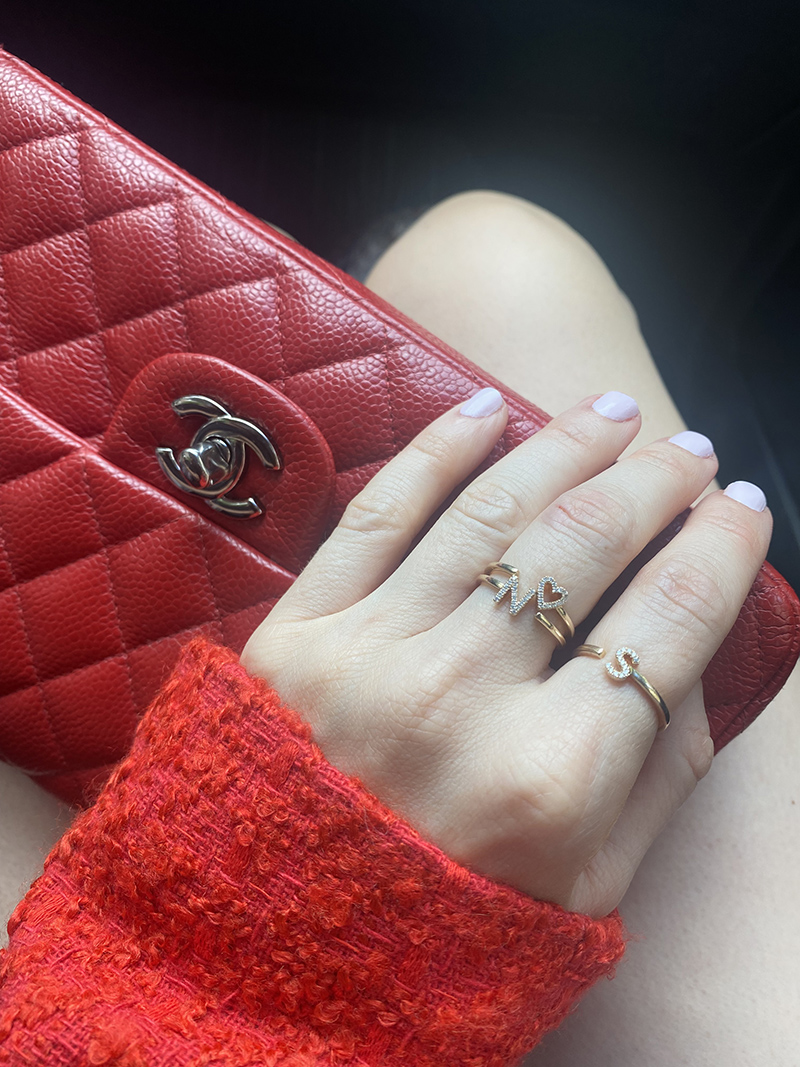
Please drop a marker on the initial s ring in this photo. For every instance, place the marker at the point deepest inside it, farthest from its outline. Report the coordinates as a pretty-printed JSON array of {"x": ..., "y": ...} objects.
[{"x": 628, "y": 661}]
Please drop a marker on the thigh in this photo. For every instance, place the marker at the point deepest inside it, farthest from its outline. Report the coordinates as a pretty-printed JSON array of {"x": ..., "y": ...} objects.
[
  {"x": 31, "y": 821},
  {"x": 710, "y": 975},
  {"x": 520, "y": 293}
]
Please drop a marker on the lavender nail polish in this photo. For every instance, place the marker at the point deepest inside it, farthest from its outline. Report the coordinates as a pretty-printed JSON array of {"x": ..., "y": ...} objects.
[
  {"x": 484, "y": 402},
  {"x": 748, "y": 494},
  {"x": 696, "y": 443},
  {"x": 619, "y": 407}
]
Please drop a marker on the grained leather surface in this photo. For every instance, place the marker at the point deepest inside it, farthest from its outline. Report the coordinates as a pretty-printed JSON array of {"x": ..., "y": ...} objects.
[
  {"x": 297, "y": 499},
  {"x": 125, "y": 283},
  {"x": 102, "y": 578}
]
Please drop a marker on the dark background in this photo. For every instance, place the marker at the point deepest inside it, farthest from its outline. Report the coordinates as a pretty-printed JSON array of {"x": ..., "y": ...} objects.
[{"x": 668, "y": 134}]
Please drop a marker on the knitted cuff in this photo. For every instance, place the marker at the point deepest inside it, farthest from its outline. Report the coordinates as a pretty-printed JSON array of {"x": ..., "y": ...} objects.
[{"x": 233, "y": 896}]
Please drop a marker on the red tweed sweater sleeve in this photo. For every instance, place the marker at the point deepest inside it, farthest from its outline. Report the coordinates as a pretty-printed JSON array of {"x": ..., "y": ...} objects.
[{"x": 233, "y": 899}]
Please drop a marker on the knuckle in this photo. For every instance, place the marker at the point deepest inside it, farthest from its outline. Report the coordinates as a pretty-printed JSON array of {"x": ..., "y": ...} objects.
[
  {"x": 571, "y": 436},
  {"x": 595, "y": 521},
  {"x": 544, "y": 804},
  {"x": 684, "y": 594},
  {"x": 742, "y": 534},
  {"x": 676, "y": 463},
  {"x": 549, "y": 795},
  {"x": 432, "y": 448},
  {"x": 374, "y": 511},
  {"x": 421, "y": 700},
  {"x": 601, "y": 884},
  {"x": 488, "y": 505}
]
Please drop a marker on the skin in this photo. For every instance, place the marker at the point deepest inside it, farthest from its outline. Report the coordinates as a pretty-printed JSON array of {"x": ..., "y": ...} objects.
[
  {"x": 488, "y": 273},
  {"x": 710, "y": 976},
  {"x": 418, "y": 694}
]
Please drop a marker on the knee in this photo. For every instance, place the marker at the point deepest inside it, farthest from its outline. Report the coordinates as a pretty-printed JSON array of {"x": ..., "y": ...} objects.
[
  {"x": 497, "y": 233},
  {"x": 493, "y": 212},
  {"x": 490, "y": 218}
]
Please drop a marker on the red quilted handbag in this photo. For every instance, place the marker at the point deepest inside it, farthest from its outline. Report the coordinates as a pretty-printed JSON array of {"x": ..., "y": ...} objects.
[{"x": 188, "y": 401}]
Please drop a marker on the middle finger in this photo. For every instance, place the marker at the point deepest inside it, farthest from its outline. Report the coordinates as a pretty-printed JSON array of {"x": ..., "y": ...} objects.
[
  {"x": 584, "y": 540},
  {"x": 500, "y": 503}
]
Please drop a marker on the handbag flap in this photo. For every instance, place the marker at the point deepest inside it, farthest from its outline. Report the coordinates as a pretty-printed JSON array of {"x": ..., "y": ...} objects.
[
  {"x": 102, "y": 579},
  {"x": 292, "y": 500}
]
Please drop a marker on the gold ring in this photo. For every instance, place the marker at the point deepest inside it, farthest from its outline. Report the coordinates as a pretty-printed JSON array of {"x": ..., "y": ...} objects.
[
  {"x": 628, "y": 660},
  {"x": 510, "y": 584}
]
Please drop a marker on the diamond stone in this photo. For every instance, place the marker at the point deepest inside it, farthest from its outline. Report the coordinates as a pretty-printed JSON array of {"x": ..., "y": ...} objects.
[
  {"x": 627, "y": 660},
  {"x": 548, "y": 605}
]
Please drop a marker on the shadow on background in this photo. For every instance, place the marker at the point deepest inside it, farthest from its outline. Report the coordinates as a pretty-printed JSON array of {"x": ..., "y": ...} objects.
[{"x": 668, "y": 134}]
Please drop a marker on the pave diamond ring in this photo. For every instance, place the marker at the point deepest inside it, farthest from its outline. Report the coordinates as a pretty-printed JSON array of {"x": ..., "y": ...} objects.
[
  {"x": 550, "y": 596},
  {"x": 627, "y": 662}
]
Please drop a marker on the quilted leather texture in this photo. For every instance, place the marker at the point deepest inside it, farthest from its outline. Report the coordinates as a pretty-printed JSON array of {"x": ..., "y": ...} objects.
[
  {"x": 297, "y": 499},
  {"x": 102, "y": 578},
  {"x": 125, "y": 283}
]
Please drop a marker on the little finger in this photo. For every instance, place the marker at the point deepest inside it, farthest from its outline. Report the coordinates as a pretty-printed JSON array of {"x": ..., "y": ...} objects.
[
  {"x": 668, "y": 777},
  {"x": 674, "y": 615}
]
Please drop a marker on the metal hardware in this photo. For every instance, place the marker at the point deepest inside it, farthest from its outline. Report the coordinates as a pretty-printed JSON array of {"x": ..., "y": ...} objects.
[{"x": 214, "y": 462}]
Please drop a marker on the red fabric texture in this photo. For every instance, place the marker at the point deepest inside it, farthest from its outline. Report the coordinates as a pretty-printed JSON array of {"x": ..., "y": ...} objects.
[{"x": 232, "y": 898}]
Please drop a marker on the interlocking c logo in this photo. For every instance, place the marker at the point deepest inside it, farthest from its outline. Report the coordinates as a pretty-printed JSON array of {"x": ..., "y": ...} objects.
[{"x": 214, "y": 462}]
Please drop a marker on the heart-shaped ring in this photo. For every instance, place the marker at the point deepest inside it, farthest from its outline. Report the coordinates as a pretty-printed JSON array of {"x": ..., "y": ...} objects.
[
  {"x": 559, "y": 590},
  {"x": 554, "y": 605},
  {"x": 509, "y": 585}
]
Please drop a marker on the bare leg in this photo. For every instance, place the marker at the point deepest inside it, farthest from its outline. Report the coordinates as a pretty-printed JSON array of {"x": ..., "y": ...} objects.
[
  {"x": 520, "y": 293},
  {"x": 31, "y": 821},
  {"x": 713, "y": 977}
]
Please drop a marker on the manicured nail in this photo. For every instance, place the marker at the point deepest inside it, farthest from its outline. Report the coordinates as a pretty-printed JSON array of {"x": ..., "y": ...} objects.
[
  {"x": 616, "y": 406},
  {"x": 485, "y": 402},
  {"x": 696, "y": 443},
  {"x": 748, "y": 494}
]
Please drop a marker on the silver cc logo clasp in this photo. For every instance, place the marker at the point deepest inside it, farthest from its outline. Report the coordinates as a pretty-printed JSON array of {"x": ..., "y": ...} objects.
[{"x": 214, "y": 462}]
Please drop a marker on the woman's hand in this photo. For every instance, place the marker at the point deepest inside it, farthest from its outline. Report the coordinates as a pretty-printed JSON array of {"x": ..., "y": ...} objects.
[{"x": 444, "y": 705}]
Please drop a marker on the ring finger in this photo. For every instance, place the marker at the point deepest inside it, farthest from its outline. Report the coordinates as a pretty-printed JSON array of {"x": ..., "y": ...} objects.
[
  {"x": 675, "y": 615},
  {"x": 583, "y": 540}
]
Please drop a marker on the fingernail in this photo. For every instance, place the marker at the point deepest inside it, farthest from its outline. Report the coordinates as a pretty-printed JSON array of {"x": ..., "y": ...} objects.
[
  {"x": 748, "y": 494},
  {"x": 485, "y": 402},
  {"x": 616, "y": 406},
  {"x": 696, "y": 443}
]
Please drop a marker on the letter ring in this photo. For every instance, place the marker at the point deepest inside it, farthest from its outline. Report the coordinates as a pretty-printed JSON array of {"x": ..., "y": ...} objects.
[
  {"x": 628, "y": 661},
  {"x": 510, "y": 584}
]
